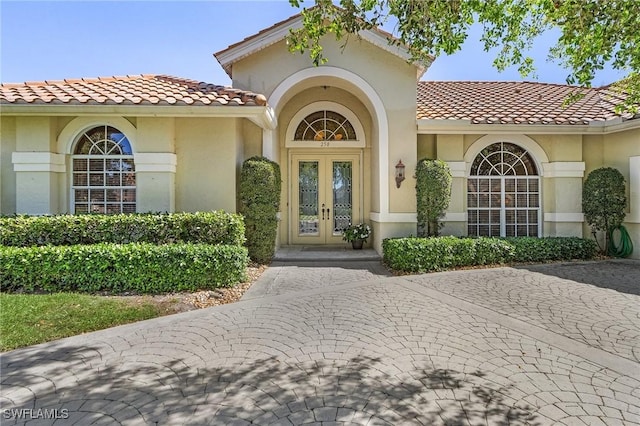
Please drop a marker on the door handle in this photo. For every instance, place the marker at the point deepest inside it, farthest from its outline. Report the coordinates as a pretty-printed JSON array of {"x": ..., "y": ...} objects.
[
  {"x": 322, "y": 211},
  {"x": 328, "y": 215}
]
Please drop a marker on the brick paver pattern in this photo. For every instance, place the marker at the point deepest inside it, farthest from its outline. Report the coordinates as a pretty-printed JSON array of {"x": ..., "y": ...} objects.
[{"x": 446, "y": 348}]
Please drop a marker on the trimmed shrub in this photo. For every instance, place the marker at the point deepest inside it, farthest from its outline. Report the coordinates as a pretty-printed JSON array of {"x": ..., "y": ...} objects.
[
  {"x": 530, "y": 249},
  {"x": 115, "y": 268},
  {"x": 433, "y": 193},
  {"x": 215, "y": 227},
  {"x": 603, "y": 201},
  {"x": 259, "y": 195},
  {"x": 437, "y": 254}
]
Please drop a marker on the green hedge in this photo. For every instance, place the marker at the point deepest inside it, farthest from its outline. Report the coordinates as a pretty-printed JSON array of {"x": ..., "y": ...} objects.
[
  {"x": 530, "y": 249},
  {"x": 437, "y": 254},
  {"x": 115, "y": 268},
  {"x": 206, "y": 228}
]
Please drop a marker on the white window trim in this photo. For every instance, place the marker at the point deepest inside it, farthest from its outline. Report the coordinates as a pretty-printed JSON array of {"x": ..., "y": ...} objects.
[
  {"x": 521, "y": 141},
  {"x": 71, "y": 147}
]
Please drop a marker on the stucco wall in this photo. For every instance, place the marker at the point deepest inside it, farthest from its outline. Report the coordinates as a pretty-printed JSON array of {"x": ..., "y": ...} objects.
[
  {"x": 7, "y": 175},
  {"x": 621, "y": 151},
  {"x": 206, "y": 164},
  {"x": 390, "y": 80}
]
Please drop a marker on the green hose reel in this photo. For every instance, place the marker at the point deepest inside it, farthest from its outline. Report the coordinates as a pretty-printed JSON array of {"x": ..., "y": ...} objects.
[{"x": 625, "y": 248}]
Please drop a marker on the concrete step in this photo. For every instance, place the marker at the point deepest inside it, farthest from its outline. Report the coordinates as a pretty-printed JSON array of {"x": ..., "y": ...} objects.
[{"x": 320, "y": 253}]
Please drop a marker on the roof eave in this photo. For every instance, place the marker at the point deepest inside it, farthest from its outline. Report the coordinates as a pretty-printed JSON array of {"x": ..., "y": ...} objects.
[
  {"x": 262, "y": 116},
  {"x": 455, "y": 126},
  {"x": 266, "y": 38}
]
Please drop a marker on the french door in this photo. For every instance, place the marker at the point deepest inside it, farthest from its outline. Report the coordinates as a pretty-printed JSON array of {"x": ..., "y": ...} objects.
[{"x": 325, "y": 198}]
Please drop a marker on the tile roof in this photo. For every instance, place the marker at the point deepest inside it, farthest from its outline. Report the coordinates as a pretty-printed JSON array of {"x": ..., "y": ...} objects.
[
  {"x": 490, "y": 102},
  {"x": 129, "y": 90}
]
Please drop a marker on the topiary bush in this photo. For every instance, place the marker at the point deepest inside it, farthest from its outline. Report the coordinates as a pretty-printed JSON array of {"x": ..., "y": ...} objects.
[
  {"x": 433, "y": 193},
  {"x": 604, "y": 200},
  {"x": 115, "y": 268},
  {"x": 215, "y": 227},
  {"x": 441, "y": 253},
  {"x": 259, "y": 194}
]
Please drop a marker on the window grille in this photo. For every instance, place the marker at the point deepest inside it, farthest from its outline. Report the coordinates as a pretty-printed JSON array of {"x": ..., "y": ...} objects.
[
  {"x": 325, "y": 126},
  {"x": 503, "y": 193},
  {"x": 104, "y": 179}
]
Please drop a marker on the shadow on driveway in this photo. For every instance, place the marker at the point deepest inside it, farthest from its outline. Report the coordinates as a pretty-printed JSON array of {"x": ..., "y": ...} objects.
[
  {"x": 139, "y": 390},
  {"x": 616, "y": 274}
]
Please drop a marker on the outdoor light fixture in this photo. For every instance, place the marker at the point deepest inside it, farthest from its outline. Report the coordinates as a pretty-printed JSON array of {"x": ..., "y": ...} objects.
[{"x": 399, "y": 173}]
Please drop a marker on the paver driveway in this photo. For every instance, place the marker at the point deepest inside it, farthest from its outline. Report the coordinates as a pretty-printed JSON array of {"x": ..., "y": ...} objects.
[{"x": 548, "y": 344}]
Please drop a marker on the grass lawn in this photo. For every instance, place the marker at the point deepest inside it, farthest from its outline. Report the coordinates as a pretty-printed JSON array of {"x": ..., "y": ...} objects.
[{"x": 29, "y": 319}]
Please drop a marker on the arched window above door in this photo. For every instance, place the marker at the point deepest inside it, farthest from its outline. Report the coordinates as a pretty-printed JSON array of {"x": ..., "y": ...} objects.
[
  {"x": 503, "y": 193},
  {"x": 325, "y": 126}
]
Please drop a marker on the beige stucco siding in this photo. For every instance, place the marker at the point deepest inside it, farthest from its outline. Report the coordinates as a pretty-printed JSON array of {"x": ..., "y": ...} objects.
[
  {"x": 618, "y": 150},
  {"x": 382, "y": 79},
  {"x": 426, "y": 147},
  {"x": 155, "y": 134},
  {"x": 206, "y": 164},
  {"x": 7, "y": 176}
]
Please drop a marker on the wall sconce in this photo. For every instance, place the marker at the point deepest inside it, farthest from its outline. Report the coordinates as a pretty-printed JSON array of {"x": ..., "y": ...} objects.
[{"x": 399, "y": 173}]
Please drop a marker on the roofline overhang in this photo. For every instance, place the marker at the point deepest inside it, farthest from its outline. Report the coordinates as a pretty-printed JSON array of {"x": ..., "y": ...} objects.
[
  {"x": 229, "y": 56},
  {"x": 435, "y": 126},
  {"x": 263, "y": 116}
]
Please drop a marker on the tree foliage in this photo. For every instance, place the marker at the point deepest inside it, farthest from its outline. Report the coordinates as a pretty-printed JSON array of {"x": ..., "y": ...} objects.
[
  {"x": 433, "y": 193},
  {"x": 593, "y": 33},
  {"x": 604, "y": 200}
]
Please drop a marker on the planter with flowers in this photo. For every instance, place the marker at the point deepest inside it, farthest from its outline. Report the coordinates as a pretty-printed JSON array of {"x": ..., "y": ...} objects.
[{"x": 357, "y": 234}]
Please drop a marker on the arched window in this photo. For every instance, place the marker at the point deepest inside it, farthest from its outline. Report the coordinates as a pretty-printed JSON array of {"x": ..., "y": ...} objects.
[
  {"x": 104, "y": 179},
  {"x": 325, "y": 126},
  {"x": 503, "y": 193}
]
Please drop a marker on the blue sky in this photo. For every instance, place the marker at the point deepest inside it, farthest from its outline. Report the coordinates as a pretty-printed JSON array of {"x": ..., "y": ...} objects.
[{"x": 50, "y": 40}]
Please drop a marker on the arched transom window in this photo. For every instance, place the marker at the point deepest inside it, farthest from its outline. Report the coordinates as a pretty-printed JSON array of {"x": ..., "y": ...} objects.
[
  {"x": 503, "y": 193},
  {"x": 325, "y": 126},
  {"x": 104, "y": 179}
]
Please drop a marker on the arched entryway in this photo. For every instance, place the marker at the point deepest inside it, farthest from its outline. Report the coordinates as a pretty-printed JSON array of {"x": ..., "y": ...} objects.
[{"x": 325, "y": 142}]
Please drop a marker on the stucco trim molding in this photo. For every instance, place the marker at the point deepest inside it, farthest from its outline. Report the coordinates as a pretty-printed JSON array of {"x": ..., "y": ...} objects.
[
  {"x": 455, "y": 217},
  {"x": 290, "y": 142},
  {"x": 78, "y": 125},
  {"x": 369, "y": 97},
  {"x": 458, "y": 168},
  {"x": 532, "y": 147},
  {"x": 560, "y": 169},
  {"x": 160, "y": 162},
  {"x": 393, "y": 217},
  {"x": 564, "y": 217},
  {"x": 465, "y": 126},
  {"x": 38, "y": 162}
]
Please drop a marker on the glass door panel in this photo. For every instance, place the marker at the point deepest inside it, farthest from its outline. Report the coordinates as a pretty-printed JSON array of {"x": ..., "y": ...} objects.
[
  {"x": 325, "y": 197},
  {"x": 342, "y": 196},
  {"x": 308, "y": 218}
]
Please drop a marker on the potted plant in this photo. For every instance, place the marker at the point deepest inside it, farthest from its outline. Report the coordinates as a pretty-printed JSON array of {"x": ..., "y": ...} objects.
[{"x": 356, "y": 234}]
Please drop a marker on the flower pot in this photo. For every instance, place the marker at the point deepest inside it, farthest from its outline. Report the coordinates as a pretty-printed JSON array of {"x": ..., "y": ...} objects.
[{"x": 357, "y": 244}]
